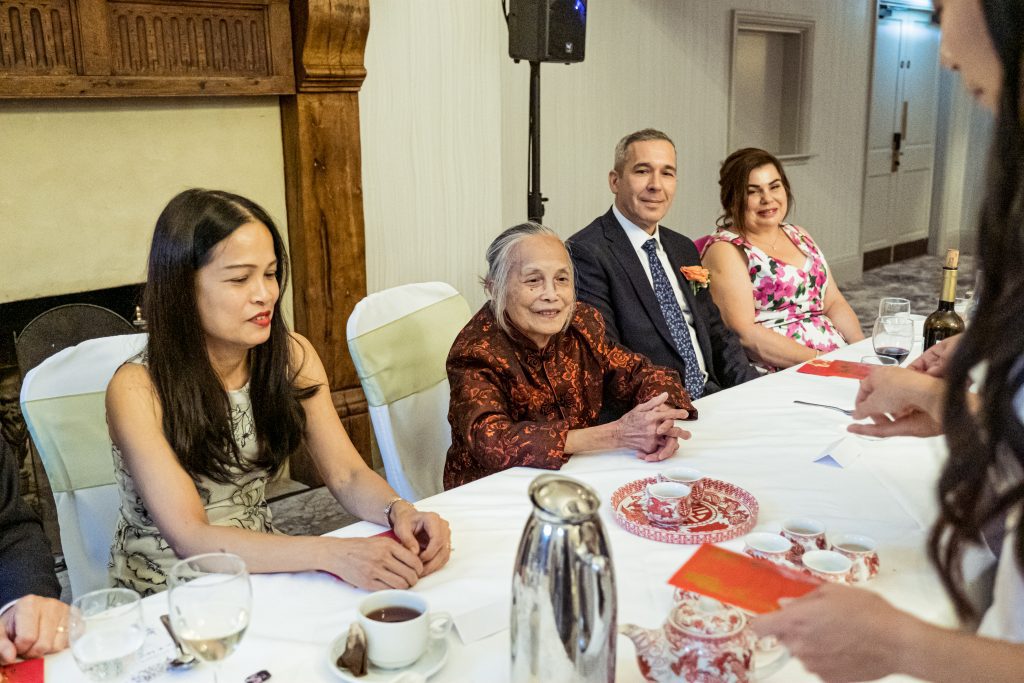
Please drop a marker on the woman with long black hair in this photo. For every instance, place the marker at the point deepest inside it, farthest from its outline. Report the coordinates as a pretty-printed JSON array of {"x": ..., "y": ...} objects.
[
  {"x": 223, "y": 394},
  {"x": 973, "y": 390}
]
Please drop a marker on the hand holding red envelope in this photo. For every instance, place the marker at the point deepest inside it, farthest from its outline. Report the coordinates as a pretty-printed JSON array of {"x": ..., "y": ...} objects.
[{"x": 737, "y": 579}]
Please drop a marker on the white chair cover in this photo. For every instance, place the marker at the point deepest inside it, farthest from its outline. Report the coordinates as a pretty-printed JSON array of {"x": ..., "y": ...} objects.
[
  {"x": 399, "y": 339},
  {"x": 63, "y": 403}
]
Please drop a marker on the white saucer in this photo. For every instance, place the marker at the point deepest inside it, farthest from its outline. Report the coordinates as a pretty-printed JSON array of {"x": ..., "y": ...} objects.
[{"x": 427, "y": 665}]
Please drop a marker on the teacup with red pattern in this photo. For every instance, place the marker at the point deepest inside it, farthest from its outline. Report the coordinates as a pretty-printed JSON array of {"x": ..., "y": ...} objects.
[
  {"x": 666, "y": 503},
  {"x": 828, "y": 565},
  {"x": 689, "y": 476},
  {"x": 804, "y": 534},
  {"x": 863, "y": 553},
  {"x": 767, "y": 546}
]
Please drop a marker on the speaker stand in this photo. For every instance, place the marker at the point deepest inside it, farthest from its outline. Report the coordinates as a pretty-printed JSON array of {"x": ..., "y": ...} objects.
[{"x": 534, "y": 199}]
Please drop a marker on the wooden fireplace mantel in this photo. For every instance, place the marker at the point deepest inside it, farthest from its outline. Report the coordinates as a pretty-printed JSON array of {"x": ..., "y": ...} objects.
[
  {"x": 142, "y": 48},
  {"x": 308, "y": 52}
]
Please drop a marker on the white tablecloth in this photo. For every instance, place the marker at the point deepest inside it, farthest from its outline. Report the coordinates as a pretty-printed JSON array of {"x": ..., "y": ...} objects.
[{"x": 753, "y": 436}]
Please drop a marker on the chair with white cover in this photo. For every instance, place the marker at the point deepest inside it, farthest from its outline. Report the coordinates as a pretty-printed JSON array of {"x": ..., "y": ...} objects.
[
  {"x": 62, "y": 400},
  {"x": 399, "y": 340}
]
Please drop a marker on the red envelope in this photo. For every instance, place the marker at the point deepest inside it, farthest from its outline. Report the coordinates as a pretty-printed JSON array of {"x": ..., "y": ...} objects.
[
  {"x": 835, "y": 368},
  {"x": 29, "y": 671},
  {"x": 738, "y": 579}
]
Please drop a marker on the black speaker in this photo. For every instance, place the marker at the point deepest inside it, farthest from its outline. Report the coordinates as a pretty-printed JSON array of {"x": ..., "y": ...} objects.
[{"x": 547, "y": 30}]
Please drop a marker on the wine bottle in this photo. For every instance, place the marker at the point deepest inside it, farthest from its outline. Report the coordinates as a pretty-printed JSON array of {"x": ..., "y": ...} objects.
[{"x": 945, "y": 322}]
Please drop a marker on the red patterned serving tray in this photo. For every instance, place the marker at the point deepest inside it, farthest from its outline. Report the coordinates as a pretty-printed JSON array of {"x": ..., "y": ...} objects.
[{"x": 726, "y": 511}]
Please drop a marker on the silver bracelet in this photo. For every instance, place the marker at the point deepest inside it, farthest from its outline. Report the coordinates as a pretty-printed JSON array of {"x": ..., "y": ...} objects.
[{"x": 389, "y": 506}]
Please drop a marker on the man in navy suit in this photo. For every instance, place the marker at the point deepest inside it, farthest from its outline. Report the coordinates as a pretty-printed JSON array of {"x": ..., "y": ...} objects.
[
  {"x": 32, "y": 621},
  {"x": 630, "y": 268}
]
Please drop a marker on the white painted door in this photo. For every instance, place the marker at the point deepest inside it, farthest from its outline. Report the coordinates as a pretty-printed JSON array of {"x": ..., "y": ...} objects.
[{"x": 901, "y": 130}]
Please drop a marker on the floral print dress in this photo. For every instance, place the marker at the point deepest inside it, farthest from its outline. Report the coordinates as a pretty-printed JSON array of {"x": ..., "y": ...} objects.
[
  {"x": 140, "y": 557},
  {"x": 788, "y": 299}
]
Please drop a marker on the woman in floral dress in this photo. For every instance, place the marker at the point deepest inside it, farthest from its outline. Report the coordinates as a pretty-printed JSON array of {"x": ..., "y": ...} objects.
[{"x": 791, "y": 312}]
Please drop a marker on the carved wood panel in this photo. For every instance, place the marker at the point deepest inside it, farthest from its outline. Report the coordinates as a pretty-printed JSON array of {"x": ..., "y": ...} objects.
[
  {"x": 119, "y": 48},
  {"x": 165, "y": 40},
  {"x": 37, "y": 38}
]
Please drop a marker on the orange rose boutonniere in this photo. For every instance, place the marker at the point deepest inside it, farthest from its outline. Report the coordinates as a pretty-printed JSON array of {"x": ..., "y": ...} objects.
[{"x": 698, "y": 276}]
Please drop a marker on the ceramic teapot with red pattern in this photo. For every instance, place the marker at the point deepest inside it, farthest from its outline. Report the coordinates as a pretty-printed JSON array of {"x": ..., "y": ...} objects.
[{"x": 703, "y": 641}]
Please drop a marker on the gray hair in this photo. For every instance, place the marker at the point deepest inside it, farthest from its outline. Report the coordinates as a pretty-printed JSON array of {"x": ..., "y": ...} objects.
[
  {"x": 622, "y": 149},
  {"x": 500, "y": 259}
]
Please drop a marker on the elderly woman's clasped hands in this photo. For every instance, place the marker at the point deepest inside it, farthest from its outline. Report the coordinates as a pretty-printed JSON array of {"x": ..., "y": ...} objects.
[{"x": 650, "y": 429}]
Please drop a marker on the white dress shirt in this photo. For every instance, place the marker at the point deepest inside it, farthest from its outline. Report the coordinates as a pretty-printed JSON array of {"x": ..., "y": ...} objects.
[{"x": 637, "y": 237}]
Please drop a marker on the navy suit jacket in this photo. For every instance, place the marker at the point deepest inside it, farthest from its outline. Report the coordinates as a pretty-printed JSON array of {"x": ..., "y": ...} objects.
[
  {"x": 610, "y": 277},
  {"x": 26, "y": 561}
]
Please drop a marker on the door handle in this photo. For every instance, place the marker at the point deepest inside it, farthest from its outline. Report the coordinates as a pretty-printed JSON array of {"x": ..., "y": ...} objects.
[{"x": 897, "y": 141}]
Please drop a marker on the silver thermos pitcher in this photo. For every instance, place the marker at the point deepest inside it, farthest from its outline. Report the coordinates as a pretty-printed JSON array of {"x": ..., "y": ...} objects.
[{"x": 563, "y": 589}]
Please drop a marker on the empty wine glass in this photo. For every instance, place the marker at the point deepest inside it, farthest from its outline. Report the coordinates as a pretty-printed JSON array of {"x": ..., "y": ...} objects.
[
  {"x": 893, "y": 305},
  {"x": 209, "y": 602},
  {"x": 893, "y": 336},
  {"x": 105, "y": 631}
]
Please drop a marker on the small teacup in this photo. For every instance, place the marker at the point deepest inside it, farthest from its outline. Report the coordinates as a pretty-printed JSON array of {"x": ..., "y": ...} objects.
[
  {"x": 666, "y": 503},
  {"x": 828, "y": 565},
  {"x": 689, "y": 476},
  {"x": 398, "y": 627},
  {"x": 862, "y": 552},
  {"x": 767, "y": 546},
  {"x": 804, "y": 534}
]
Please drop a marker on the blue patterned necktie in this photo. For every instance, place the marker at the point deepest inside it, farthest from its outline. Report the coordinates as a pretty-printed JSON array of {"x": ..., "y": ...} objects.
[{"x": 693, "y": 377}]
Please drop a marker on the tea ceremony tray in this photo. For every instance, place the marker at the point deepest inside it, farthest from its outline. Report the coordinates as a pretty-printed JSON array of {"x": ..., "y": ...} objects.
[{"x": 725, "y": 512}]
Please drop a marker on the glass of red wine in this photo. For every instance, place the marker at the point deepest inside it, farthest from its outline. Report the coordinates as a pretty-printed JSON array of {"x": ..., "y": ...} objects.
[{"x": 893, "y": 336}]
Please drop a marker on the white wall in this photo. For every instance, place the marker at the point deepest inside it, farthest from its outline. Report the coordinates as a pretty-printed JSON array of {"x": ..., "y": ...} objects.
[
  {"x": 444, "y": 125},
  {"x": 431, "y": 118},
  {"x": 963, "y": 132},
  {"x": 84, "y": 181}
]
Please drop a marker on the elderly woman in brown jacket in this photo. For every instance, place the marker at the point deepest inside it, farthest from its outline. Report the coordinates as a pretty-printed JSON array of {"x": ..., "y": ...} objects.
[{"x": 531, "y": 370}]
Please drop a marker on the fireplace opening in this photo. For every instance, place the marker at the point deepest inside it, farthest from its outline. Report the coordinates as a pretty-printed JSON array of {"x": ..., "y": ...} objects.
[{"x": 15, "y": 315}]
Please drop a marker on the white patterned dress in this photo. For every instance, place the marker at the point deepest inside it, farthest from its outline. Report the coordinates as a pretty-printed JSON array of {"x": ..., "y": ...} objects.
[
  {"x": 788, "y": 299},
  {"x": 140, "y": 557}
]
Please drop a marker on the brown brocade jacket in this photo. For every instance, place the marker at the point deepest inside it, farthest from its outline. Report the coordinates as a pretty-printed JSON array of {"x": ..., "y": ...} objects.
[{"x": 513, "y": 405}]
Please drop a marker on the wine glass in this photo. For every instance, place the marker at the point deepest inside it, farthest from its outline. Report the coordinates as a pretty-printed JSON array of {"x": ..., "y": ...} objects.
[
  {"x": 210, "y": 601},
  {"x": 893, "y": 305},
  {"x": 893, "y": 336},
  {"x": 105, "y": 631}
]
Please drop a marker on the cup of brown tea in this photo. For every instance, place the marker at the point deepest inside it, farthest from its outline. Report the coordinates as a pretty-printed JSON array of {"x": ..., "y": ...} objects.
[{"x": 398, "y": 627}]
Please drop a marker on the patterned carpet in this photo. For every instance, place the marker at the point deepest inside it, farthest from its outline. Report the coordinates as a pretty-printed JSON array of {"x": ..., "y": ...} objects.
[{"x": 918, "y": 279}]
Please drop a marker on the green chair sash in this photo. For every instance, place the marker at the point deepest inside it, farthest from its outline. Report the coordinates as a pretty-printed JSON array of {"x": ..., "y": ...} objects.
[
  {"x": 408, "y": 355},
  {"x": 74, "y": 444}
]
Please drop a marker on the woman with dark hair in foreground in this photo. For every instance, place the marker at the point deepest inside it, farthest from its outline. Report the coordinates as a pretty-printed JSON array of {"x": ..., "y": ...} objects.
[
  {"x": 223, "y": 394},
  {"x": 844, "y": 634}
]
